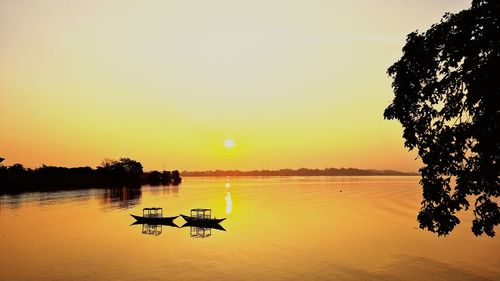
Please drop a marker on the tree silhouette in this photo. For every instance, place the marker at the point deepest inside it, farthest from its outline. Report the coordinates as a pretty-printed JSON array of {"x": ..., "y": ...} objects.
[
  {"x": 131, "y": 167},
  {"x": 123, "y": 168},
  {"x": 447, "y": 98}
]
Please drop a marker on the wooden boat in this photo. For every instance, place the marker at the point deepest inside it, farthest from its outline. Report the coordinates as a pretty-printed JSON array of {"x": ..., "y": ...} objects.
[
  {"x": 164, "y": 223},
  {"x": 202, "y": 216},
  {"x": 204, "y": 225},
  {"x": 153, "y": 216}
]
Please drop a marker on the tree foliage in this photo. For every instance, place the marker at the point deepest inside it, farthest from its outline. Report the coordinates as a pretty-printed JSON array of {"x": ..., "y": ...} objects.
[
  {"x": 110, "y": 174},
  {"x": 447, "y": 98},
  {"x": 125, "y": 167}
]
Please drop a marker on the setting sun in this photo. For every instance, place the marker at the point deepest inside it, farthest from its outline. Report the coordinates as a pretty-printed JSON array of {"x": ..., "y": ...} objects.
[{"x": 229, "y": 143}]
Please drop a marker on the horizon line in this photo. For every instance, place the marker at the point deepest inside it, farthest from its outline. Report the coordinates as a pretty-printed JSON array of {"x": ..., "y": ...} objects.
[{"x": 298, "y": 171}]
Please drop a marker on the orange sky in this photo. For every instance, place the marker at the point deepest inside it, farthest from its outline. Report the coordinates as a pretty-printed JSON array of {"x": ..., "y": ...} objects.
[{"x": 293, "y": 83}]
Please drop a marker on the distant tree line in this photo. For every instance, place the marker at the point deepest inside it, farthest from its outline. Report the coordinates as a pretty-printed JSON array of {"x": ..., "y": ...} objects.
[
  {"x": 161, "y": 178},
  {"x": 298, "y": 172},
  {"x": 111, "y": 173}
]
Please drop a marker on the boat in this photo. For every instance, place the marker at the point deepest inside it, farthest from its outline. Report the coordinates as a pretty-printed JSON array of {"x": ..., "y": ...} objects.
[
  {"x": 202, "y": 217},
  {"x": 203, "y": 225},
  {"x": 153, "y": 216},
  {"x": 164, "y": 223}
]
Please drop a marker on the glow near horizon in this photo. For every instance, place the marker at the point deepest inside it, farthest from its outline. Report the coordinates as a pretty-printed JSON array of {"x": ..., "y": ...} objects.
[{"x": 296, "y": 83}]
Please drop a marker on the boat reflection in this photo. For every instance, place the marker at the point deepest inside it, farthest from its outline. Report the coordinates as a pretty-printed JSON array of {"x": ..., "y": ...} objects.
[
  {"x": 201, "y": 230},
  {"x": 154, "y": 229}
]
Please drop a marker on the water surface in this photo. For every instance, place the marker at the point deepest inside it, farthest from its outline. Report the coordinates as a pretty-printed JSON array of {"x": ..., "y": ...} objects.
[{"x": 290, "y": 228}]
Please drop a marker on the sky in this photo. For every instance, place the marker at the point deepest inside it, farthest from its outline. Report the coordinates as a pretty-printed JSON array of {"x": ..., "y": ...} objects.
[{"x": 290, "y": 83}]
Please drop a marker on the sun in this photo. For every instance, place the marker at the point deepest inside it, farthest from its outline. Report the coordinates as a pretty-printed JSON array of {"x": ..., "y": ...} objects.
[{"x": 229, "y": 143}]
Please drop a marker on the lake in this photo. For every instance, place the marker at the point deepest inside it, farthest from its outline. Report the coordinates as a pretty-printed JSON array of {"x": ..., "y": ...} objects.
[{"x": 277, "y": 228}]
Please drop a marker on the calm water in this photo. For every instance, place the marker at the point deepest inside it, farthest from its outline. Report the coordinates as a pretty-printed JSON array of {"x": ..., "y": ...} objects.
[{"x": 324, "y": 228}]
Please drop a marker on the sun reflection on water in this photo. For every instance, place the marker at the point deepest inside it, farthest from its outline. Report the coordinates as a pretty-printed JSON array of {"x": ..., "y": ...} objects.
[{"x": 229, "y": 203}]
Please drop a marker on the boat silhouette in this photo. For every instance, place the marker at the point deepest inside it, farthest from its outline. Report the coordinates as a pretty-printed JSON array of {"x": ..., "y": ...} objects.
[
  {"x": 204, "y": 225},
  {"x": 202, "y": 216},
  {"x": 153, "y": 216},
  {"x": 167, "y": 223}
]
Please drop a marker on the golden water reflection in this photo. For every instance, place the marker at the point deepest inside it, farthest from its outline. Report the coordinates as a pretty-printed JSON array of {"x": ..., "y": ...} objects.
[
  {"x": 366, "y": 232},
  {"x": 121, "y": 197},
  {"x": 229, "y": 203}
]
